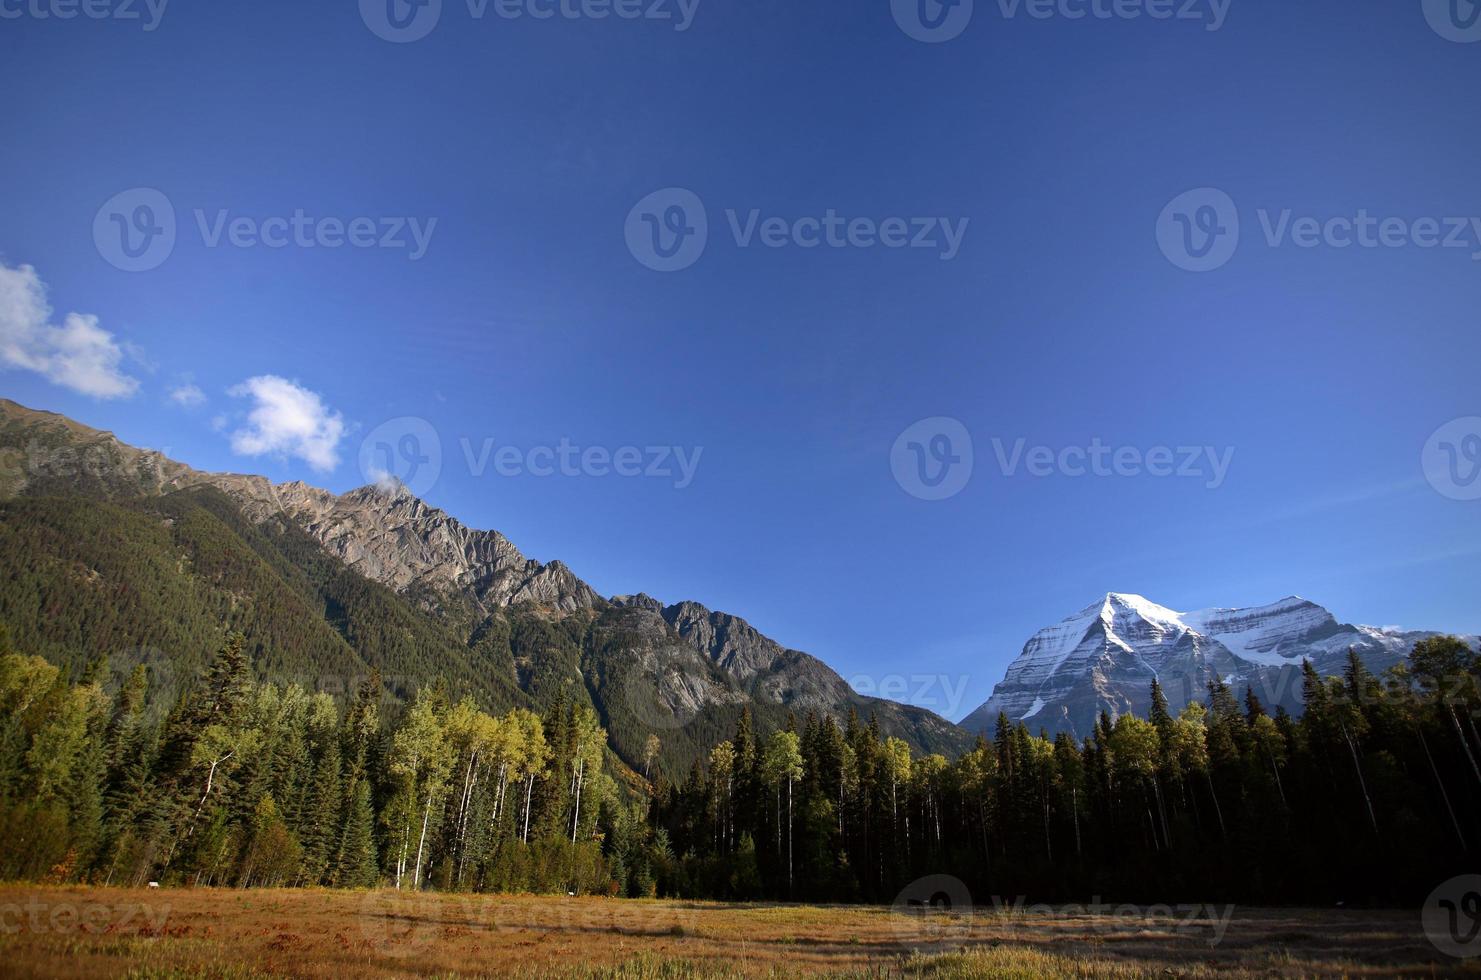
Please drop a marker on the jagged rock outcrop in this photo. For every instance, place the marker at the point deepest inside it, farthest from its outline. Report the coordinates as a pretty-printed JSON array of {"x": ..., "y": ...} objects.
[{"x": 392, "y": 537}]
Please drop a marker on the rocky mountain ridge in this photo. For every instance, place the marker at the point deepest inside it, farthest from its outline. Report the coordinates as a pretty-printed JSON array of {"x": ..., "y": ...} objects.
[{"x": 694, "y": 660}]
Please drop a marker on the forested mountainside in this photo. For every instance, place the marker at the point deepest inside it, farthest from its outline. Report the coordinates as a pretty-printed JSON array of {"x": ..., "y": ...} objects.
[{"x": 109, "y": 550}]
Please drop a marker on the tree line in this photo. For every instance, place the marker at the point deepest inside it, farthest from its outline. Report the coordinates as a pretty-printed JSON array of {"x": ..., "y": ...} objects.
[
  {"x": 249, "y": 784},
  {"x": 1372, "y": 795}
]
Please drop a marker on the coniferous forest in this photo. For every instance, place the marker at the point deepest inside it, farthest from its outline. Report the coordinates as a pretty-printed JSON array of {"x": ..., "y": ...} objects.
[{"x": 1372, "y": 795}]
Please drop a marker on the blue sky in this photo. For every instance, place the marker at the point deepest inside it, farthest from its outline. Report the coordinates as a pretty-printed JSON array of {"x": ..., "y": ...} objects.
[{"x": 526, "y": 319}]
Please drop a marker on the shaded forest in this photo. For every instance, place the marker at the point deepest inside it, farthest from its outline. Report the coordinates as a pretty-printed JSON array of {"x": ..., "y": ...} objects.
[{"x": 1372, "y": 796}]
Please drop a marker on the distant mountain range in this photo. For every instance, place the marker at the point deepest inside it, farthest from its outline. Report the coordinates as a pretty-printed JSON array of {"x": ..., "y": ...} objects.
[
  {"x": 1105, "y": 657},
  {"x": 110, "y": 549}
]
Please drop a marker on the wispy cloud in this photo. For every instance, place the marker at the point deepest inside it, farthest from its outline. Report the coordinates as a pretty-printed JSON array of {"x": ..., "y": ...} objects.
[
  {"x": 79, "y": 354},
  {"x": 1412, "y": 560},
  {"x": 1340, "y": 499},
  {"x": 287, "y": 420},
  {"x": 188, "y": 396}
]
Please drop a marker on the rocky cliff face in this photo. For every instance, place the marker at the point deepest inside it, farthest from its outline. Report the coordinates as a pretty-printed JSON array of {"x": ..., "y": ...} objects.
[
  {"x": 1105, "y": 657},
  {"x": 391, "y": 537}
]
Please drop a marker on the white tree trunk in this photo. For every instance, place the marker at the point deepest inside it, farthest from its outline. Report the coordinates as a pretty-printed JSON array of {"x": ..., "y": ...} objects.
[
  {"x": 529, "y": 789},
  {"x": 579, "y": 778},
  {"x": 416, "y": 881}
]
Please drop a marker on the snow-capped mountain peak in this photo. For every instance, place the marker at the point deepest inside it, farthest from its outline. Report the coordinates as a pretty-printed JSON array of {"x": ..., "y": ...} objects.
[{"x": 1105, "y": 657}]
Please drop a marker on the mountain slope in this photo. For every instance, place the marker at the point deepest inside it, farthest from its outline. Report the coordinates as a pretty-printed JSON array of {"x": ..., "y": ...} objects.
[
  {"x": 1105, "y": 657},
  {"x": 329, "y": 587}
]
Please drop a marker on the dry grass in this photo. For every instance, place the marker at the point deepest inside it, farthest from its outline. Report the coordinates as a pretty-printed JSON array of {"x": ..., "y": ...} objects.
[{"x": 70, "y": 932}]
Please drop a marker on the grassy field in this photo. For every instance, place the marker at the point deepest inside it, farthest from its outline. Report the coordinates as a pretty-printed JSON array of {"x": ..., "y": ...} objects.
[{"x": 70, "y": 932}]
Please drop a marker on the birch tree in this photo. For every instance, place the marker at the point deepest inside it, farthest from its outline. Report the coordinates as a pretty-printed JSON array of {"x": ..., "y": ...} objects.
[
  {"x": 420, "y": 762},
  {"x": 782, "y": 763}
]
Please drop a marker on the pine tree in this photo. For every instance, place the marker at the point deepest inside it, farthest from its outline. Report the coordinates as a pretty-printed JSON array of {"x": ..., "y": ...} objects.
[
  {"x": 1158, "y": 715},
  {"x": 355, "y": 865},
  {"x": 320, "y": 827},
  {"x": 1253, "y": 709}
]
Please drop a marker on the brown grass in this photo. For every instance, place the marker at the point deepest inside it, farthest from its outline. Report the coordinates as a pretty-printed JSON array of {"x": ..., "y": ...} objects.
[{"x": 70, "y": 932}]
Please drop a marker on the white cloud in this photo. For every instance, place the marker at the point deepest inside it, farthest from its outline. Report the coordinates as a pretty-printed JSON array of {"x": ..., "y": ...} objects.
[
  {"x": 287, "y": 420},
  {"x": 79, "y": 354},
  {"x": 188, "y": 396}
]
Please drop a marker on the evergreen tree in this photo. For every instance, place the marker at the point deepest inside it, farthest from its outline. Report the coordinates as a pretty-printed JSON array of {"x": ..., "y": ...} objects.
[{"x": 355, "y": 864}]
